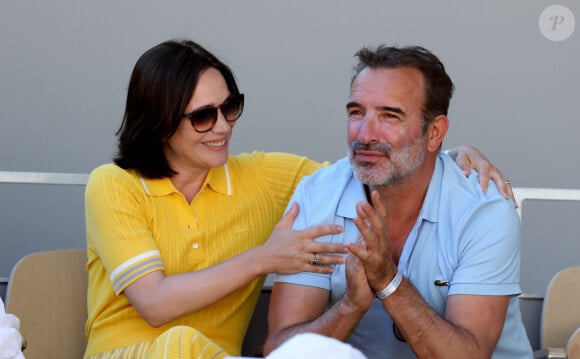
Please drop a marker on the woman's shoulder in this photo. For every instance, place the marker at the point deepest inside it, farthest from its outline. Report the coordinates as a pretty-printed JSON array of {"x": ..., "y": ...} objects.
[
  {"x": 109, "y": 172},
  {"x": 260, "y": 159},
  {"x": 262, "y": 156},
  {"x": 108, "y": 169}
]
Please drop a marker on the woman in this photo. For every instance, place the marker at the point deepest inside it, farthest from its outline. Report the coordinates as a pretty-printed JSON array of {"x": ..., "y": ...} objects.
[{"x": 179, "y": 233}]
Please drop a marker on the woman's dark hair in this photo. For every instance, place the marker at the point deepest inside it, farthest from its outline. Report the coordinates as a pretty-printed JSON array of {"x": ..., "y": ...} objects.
[
  {"x": 438, "y": 85},
  {"x": 161, "y": 86}
]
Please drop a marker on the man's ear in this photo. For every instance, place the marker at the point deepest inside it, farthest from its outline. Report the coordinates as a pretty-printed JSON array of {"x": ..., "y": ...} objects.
[{"x": 436, "y": 132}]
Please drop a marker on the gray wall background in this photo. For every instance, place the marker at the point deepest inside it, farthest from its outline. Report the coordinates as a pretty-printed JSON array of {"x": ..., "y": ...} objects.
[{"x": 65, "y": 65}]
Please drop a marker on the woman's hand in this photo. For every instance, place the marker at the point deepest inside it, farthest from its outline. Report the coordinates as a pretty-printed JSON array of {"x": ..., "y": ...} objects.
[
  {"x": 289, "y": 251},
  {"x": 468, "y": 157}
]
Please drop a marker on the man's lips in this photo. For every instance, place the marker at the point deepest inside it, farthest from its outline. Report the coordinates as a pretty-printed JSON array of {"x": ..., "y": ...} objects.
[{"x": 368, "y": 156}]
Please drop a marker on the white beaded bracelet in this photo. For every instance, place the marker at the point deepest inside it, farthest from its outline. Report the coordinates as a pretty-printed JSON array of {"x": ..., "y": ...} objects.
[{"x": 391, "y": 287}]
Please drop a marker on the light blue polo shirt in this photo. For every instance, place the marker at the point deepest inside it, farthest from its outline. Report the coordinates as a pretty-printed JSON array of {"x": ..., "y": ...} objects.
[{"x": 462, "y": 236}]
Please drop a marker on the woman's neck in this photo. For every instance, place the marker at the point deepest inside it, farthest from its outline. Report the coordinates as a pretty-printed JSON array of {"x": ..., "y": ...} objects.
[{"x": 189, "y": 183}]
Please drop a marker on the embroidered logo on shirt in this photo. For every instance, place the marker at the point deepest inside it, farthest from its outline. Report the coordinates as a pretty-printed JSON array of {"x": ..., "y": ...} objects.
[{"x": 240, "y": 229}]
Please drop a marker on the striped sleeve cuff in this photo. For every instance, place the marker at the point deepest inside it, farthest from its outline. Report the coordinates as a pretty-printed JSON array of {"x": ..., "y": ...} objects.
[{"x": 134, "y": 268}]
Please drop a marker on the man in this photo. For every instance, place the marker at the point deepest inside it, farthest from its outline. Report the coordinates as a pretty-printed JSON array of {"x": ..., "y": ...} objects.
[{"x": 434, "y": 263}]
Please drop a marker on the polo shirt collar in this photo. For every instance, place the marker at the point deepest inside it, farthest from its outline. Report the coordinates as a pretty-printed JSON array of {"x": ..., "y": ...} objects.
[
  {"x": 430, "y": 209},
  {"x": 352, "y": 193},
  {"x": 218, "y": 179}
]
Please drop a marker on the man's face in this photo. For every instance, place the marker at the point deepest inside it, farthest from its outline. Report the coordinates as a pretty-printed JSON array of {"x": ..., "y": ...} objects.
[{"x": 384, "y": 128}]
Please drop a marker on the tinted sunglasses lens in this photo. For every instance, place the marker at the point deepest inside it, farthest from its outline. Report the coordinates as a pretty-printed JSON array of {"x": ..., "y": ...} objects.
[
  {"x": 203, "y": 120},
  {"x": 233, "y": 107}
]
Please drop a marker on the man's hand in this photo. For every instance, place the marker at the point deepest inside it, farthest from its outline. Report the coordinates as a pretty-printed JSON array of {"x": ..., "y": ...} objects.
[
  {"x": 375, "y": 252},
  {"x": 359, "y": 295}
]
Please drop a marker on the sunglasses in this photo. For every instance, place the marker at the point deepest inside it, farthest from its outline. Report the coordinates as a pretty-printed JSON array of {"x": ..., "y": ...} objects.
[{"x": 205, "y": 118}]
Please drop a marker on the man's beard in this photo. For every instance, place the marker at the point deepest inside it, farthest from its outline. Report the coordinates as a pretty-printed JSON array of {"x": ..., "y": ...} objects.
[{"x": 395, "y": 167}]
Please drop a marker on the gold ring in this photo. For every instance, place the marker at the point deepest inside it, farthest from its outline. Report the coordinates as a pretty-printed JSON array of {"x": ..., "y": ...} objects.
[
  {"x": 314, "y": 261},
  {"x": 507, "y": 182}
]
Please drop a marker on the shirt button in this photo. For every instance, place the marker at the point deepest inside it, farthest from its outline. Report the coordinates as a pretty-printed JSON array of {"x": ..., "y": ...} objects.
[{"x": 195, "y": 245}]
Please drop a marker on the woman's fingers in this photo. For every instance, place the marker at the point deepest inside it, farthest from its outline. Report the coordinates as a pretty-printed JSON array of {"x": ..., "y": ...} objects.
[
  {"x": 309, "y": 244},
  {"x": 504, "y": 186},
  {"x": 289, "y": 217},
  {"x": 468, "y": 157},
  {"x": 325, "y": 259},
  {"x": 320, "y": 230},
  {"x": 299, "y": 249}
]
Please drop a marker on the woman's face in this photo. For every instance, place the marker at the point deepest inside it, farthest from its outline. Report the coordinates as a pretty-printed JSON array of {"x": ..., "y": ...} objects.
[{"x": 187, "y": 150}]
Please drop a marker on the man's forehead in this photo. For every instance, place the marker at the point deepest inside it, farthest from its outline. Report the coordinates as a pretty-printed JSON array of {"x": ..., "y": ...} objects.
[
  {"x": 376, "y": 83},
  {"x": 389, "y": 75}
]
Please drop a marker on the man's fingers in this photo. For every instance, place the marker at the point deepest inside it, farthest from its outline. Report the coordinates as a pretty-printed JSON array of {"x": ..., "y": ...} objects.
[
  {"x": 362, "y": 220},
  {"x": 380, "y": 209},
  {"x": 363, "y": 225},
  {"x": 371, "y": 221},
  {"x": 359, "y": 250}
]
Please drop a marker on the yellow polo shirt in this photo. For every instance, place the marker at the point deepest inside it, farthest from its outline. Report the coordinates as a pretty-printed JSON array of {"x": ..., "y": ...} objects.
[{"x": 136, "y": 226}]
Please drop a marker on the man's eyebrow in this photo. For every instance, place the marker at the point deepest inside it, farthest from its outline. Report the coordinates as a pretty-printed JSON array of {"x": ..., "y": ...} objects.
[
  {"x": 392, "y": 109},
  {"x": 352, "y": 104},
  {"x": 382, "y": 108}
]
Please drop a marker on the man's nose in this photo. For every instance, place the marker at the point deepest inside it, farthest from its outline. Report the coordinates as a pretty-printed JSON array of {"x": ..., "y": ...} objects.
[{"x": 367, "y": 131}]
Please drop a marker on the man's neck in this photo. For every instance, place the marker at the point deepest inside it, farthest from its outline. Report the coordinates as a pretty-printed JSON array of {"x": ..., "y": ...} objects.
[{"x": 404, "y": 201}]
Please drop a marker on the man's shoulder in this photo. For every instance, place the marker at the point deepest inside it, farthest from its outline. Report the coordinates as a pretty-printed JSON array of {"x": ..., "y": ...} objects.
[
  {"x": 320, "y": 193},
  {"x": 466, "y": 187},
  {"x": 463, "y": 196},
  {"x": 339, "y": 171}
]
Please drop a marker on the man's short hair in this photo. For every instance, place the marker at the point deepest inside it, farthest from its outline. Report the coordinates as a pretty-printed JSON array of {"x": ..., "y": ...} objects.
[{"x": 438, "y": 84}]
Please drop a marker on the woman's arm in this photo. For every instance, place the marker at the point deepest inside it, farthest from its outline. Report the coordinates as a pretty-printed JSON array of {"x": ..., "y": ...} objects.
[{"x": 160, "y": 299}]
